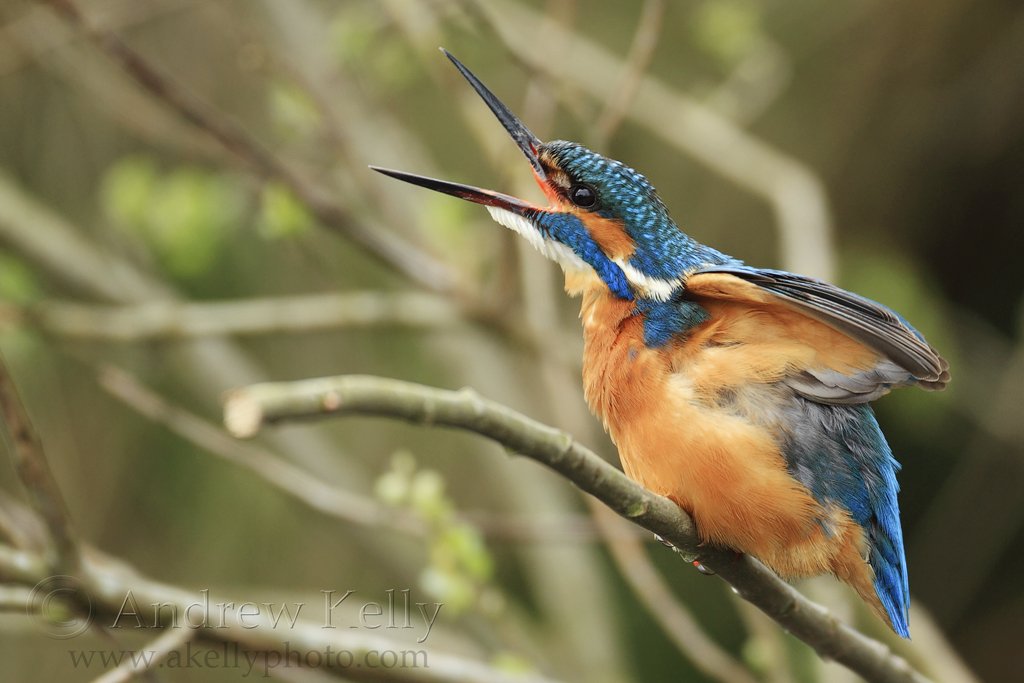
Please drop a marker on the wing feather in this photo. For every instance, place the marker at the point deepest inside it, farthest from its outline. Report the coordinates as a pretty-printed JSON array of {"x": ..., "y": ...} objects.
[
  {"x": 904, "y": 357},
  {"x": 860, "y": 318}
]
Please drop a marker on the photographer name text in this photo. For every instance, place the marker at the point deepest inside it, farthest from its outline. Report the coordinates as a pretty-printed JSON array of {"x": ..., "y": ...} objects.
[{"x": 338, "y": 609}]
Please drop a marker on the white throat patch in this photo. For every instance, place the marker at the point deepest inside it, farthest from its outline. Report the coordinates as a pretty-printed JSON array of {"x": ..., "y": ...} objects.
[
  {"x": 556, "y": 251},
  {"x": 648, "y": 287}
]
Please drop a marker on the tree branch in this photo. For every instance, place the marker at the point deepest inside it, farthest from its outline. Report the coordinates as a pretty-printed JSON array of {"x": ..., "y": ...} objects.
[
  {"x": 34, "y": 472},
  {"x": 313, "y": 492},
  {"x": 108, "y": 583},
  {"x": 16, "y": 599},
  {"x": 675, "y": 620},
  {"x": 795, "y": 193},
  {"x": 389, "y": 248},
  {"x": 248, "y": 409},
  {"x": 155, "y": 652},
  {"x": 645, "y": 40},
  {"x": 168, "y": 319}
]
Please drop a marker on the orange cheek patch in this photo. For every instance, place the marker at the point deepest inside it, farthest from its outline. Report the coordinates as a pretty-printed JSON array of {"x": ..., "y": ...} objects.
[
  {"x": 610, "y": 235},
  {"x": 547, "y": 189}
]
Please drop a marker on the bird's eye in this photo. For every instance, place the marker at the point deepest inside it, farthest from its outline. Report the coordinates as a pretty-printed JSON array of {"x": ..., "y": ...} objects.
[{"x": 583, "y": 196}]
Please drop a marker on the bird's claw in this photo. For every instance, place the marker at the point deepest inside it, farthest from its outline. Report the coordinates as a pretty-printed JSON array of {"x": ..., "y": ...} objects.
[
  {"x": 689, "y": 557},
  {"x": 702, "y": 569}
]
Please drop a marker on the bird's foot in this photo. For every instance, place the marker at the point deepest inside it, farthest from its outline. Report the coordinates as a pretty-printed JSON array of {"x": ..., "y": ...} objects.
[
  {"x": 689, "y": 557},
  {"x": 702, "y": 569}
]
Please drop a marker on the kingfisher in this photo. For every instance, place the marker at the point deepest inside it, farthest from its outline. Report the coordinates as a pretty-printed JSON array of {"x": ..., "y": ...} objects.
[{"x": 741, "y": 394}]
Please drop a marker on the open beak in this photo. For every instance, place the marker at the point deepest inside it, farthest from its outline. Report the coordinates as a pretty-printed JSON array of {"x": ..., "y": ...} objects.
[
  {"x": 467, "y": 192},
  {"x": 527, "y": 142}
]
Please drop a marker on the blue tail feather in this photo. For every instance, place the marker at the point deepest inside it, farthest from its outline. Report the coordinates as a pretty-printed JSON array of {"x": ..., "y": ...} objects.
[{"x": 839, "y": 453}]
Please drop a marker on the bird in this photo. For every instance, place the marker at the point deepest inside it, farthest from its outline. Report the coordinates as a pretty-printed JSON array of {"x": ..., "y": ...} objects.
[{"x": 742, "y": 394}]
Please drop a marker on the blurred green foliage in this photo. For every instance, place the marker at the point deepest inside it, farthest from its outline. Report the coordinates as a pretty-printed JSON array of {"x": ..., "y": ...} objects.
[
  {"x": 293, "y": 110},
  {"x": 186, "y": 215},
  {"x": 360, "y": 40},
  {"x": 727, "y": 29},
  {"x": 460, "y": 566},
  {"x": 18, "y": 282},
  {"x": 281, "y": 214}
]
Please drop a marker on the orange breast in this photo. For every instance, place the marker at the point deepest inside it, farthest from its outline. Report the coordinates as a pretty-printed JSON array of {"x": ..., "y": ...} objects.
[{"x": 697, "y": 422}]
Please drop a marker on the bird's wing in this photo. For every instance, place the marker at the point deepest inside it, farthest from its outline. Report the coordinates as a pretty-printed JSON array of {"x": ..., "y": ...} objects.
[{"x": 891, "y": 352}]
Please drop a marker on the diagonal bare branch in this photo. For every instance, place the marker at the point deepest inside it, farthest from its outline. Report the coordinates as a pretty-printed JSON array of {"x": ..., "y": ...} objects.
[
  {"x": 405, "y": 258},
  {"x": 675, "y": 620},
  {"x": 795, "y": 193},
  {"x": 34, "y": 472},
  {"x": 645, "y": 40},
  {"x": 260, "y": 638},
  {"x": 330, "y": 500},
  {"x": 155, "y": 652}
]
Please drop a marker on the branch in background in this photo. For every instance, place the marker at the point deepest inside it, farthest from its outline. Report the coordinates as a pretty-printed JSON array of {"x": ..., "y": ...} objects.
[
  {"x": 34, "y": 472},
  {"x": 753, "y": 85},
  {"x": 675, "y": 620},
  {"x": 645, "y": 40},
  {"x": 15, "y": 56},
  {"x": 389, "y": 248},
  {"x": 16, "y": 599},
  {"x": 767, "y": 646},
  {"x": 44, "y": 238},
  {"x": 248, "y": 409},
  {"x": 327, "y": 499},
  {"x": 292, "y": 314},
  {"x": 281, "y": 474},
  {"x": 108, "y": 582},
  {"x": 38, "y": 36},
  {"x": 206, "y": 367},
  {"x": 19, "y": 526},
  {"x": 59, "y": 248},
  {"x": 989, "y": 394},
  {"x": 930, "y": 644},
  {"x": 155, "y": 653}
]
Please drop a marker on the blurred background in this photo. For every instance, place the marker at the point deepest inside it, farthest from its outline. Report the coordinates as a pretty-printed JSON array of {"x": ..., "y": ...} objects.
[{"x": 190, "y": 211}]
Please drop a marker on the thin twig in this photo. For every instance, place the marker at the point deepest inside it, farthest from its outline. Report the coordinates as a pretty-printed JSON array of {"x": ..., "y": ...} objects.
[
  {"x": 169, "y": 319},
  {"x": 34, "y": 472},
  {"x": 248, "y": 409},
  {"x": 389, "y": 248},
  {"x": 151, "y": 655},
  {"x": 281, "y": 474},
  {"x": 933, "y": 650},
  {"x": 645, "y": 40},
  {"x": 60, "y": 249},
  {"x": 795, "y": 193},
  {"x": 39, "y": 36},
  {"x": 19, "y": 526},
  {"x": 17, "y": 599},
  {"x": 675, "y": 620},
  {"x": 753, "y": 84},
  {"x": 260, "y": 638},
  {"x": 322, "y": 497},
  {"x": 768, "y": 653}
]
